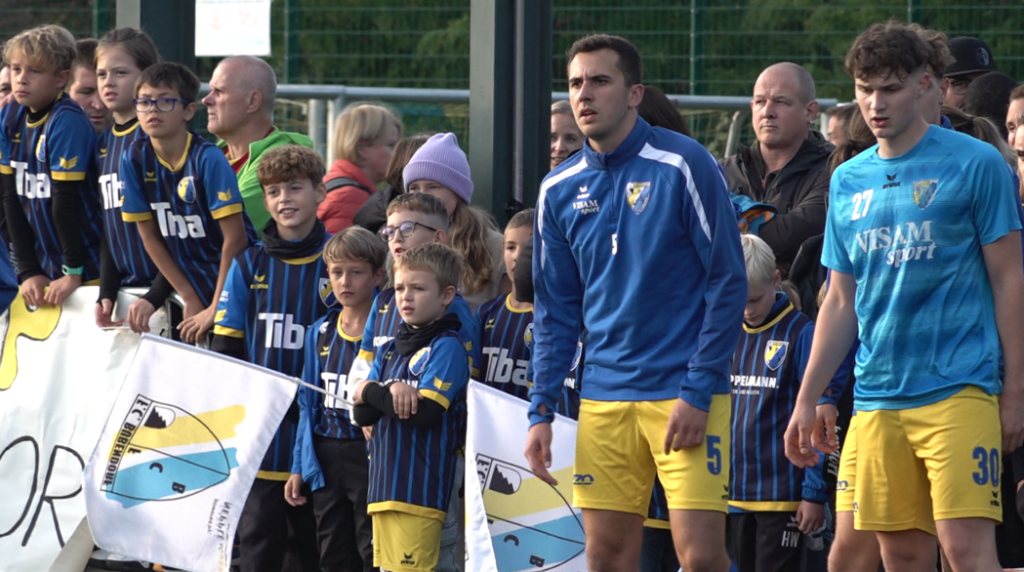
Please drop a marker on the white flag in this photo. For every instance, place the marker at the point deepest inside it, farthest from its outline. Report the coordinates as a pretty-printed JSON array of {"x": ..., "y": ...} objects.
[
  {"x": 516, "y": 522},
  {"x": 174, "y": 464}
]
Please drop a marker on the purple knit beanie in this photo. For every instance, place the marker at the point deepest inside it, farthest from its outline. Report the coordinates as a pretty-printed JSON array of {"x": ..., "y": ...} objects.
[{"x": 441, "y": 160}]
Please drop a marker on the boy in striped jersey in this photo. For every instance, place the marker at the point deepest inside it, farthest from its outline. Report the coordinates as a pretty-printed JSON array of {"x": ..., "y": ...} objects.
[
  {"x": 183, "y": 195},
  {"x": 330, "y": 452},
  {"x": 415, "y": 395},
  {"x": 773, "y": 501},
  {"x": 275, "y": 291}
]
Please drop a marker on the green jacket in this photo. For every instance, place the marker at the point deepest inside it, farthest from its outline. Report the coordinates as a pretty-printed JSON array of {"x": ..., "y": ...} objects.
[{"x": 249, "y": 185}]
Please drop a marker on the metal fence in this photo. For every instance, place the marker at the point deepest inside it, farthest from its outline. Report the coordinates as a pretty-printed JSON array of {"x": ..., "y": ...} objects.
[{"x": 695, "y": 47}]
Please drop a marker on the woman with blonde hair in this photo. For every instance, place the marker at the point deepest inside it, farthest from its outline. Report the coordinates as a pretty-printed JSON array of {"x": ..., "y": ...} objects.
[
  {"x": 364, "y": 140},
  {"x": 566, "y": 137}
]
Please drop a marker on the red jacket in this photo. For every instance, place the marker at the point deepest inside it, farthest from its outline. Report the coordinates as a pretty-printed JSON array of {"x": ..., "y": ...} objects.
[{"x": 342, "y": 203}]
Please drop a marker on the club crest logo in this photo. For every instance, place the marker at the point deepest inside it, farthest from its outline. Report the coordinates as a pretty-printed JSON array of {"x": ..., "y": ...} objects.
[
  {"x": 41, "y": 149},
  {"x": 775, "y": 354},
  {"x": 187, "y": 190},
  {"x": 326, "y": 293},
  {"x": 528, "y": 335},
  {"x": 924, "y": 192},
  {"x": 638, "y": 195},
  {"x": 418, "y": 363}
]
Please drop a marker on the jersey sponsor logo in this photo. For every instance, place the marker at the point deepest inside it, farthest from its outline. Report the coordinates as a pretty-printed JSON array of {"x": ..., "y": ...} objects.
[
  {"x": 638, "y": 195},
  {"x": 41, "y": 149},
  {"x": 68, "y": 164},
  {"x": 187, "y": 190},
  {"x": 906, "y": 242},
  {"x": 501, "y": 368},
  {"x": 924, "y": 192},
  {"x": 418, "y": 363},
  {"x": 29, "y": 185},
  {"x": 281, "y": 331},
  {"x": 110, "y": 189},
  {"x": 175, "y": 225},
  {"x": 754, "y": 381},
  {"x": 378, "y": 341},
  {"x": 588, "y": 206},
  {"x": 337, "y": 386},
  {"x": 775, "y": 353}
]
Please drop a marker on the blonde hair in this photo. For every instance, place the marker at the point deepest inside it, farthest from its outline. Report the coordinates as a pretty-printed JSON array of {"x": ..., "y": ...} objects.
[
  {"x": 421, "y": 203},
  {"x": 759, "y": 260},
  {"x": 51, "y": 45},
  {"x": 356, "y": 243},
  {"x": 360, "y": 123},
  {"x": 468, "y": 235},
  {"x": 443, "y": 262},
  {"x": 562, "y": 107}
]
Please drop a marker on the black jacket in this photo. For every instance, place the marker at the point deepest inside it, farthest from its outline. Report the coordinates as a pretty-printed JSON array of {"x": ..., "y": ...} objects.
[
  {"x": 799, "y": 190},
  {"x": 374, "y": 212}
]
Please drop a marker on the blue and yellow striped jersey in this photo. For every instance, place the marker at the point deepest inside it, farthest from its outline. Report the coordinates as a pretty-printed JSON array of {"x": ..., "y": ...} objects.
[
  {"x": 329, "y": 356},
  {"x": 133, "y": 263},
  {"x": 413, "y": 469},
  {"x": 269, "y": 303},
  {"x": 767, "y": 370},
  {"x": 57, "y": 147},
  {"x": 186, "y": 200}
]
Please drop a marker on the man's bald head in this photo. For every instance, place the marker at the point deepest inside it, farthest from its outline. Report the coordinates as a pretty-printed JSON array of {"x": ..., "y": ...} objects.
[
  {"x": 783, "y": 106},
  {"x": 241, "y": 99},
  {"x": 804, "y": 81},
  {"x": 254, "y": 74}
]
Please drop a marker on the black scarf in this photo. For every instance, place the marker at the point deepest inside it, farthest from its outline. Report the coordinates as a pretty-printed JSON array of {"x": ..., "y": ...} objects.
[
  {"x": 410, "y": 340},
  {"x": 286, "y": 249}
]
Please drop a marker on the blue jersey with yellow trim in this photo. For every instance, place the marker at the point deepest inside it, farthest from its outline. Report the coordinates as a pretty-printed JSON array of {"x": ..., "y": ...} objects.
[
  {"x": 329, "y": 356},
  {"x": 382, "y": 325},
  {"x": 767, "y": 370},
  {"x": 270, "y": 302},
  {"x": 505, "y": 337},
  {"x": 58, "y": 147},
  {"x": 909, "y": 230},
  {"x": 413, "y": 469},
  {"x": 186, "y": 200},
  {"x": 133, "y": 263}
]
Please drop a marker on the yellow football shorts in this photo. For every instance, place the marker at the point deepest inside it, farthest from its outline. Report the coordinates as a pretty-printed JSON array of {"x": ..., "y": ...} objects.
[
  {"x": 846, "y": 481},
  {"x": 620, "y": 448},
  {"x": 939, "y": 461},
  {"x": 404, "y": 542}
]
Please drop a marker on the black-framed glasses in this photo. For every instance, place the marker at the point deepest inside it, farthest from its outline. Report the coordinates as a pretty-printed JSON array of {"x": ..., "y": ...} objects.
[
  {"x": 405, "y": 229},
  {"x": 162, "y": 104}
]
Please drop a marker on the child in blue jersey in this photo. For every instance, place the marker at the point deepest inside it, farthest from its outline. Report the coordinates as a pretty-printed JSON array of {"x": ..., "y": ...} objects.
[
  {"x": 773, "y": 501},
  {"x": 275, "y": 292},
  {"x": 46, "y": 150},
  {"x": 414, "y": 397},
  {"x": 182, "y": 194},
  {"x": 330, "y": 451},
  {"x": 121, "y": 56},
  {"x": 923, "y": 245}
]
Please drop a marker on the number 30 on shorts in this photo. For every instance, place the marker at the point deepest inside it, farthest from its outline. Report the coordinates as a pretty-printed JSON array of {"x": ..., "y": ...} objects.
[
  {"x": 988, "y": 466},
  {"x": 715, "y": 454}
]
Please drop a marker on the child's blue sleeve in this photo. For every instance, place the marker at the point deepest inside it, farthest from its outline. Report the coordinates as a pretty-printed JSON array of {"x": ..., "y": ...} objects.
[
  {"x": 311, "y": 375},
  {"x": 5, "y": 150},
  {"x": 814, "y": 482},
  {"x": 230, "y": 319},
  {"x": 135, "y": 207},
  {"x": 469, "y": 332},
  {"x": 222, "y": 195},
  {"x": 446, "y": 372},
  {"x": 8, "y": 281},
  {"x": 70, "y": 147}
]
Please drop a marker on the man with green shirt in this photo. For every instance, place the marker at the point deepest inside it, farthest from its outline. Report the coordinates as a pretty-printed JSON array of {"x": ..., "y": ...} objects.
[{"x": 240, "y": 109}]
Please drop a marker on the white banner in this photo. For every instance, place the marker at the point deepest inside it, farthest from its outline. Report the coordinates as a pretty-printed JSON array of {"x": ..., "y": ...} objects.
[
  {"x": 232, "y": 28},
  {"x": 515, "y": 522},
  {"x": 59, "y": 374},
  {"x": 179, "y": 453}
]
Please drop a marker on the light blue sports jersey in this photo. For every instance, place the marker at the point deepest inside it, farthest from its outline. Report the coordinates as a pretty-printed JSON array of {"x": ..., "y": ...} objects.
[{"x": 910, "y": 230}]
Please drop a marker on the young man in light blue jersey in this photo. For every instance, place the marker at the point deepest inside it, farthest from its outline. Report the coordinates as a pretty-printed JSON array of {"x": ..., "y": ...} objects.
[
  {"x": 923, "y": 245},
  {"x": 639, "y": 217}
]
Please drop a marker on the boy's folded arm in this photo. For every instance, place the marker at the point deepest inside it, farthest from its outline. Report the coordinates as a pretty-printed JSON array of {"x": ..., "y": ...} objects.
[
  {"x": 428, "y": 412},
  {"x": 69, "y": 217},
  {"x": 22, "y": 237},
  {"x": 366, "y": 415}
]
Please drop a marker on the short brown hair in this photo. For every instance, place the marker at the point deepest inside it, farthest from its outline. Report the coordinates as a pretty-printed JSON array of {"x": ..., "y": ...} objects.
[
  {"x": 356, "y": 243},
  {"x": 939, "y": 56},
  {"x": 400, "y": 157},
  {"x": 889, "y": 48},
  {"x": 442, "y": 261},
  {"x": 134, "y": 42},
  {"x": 521, "y": 219},
  {"x": 421, "y": 203},
  {"x": 172, "y": 76},
  {"x": 85, "y": 53},
  {"x": 290, "y": 163},
  {"x": 51, "y": 45},
  {"x": 629, "y": 58}
]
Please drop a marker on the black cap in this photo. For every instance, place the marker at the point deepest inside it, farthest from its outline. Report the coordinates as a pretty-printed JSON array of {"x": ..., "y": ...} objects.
[{"x": 972, "y": 56}]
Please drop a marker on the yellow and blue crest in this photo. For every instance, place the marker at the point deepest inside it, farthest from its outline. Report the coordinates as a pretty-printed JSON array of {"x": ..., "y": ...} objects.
[
  {"x": 418, "y": 363},
  {"x": 528, "y": 335},
  {"x": 775, "y": 353},
  {"x": 326, "y": 292},
  {"x": 924, "y": 192},
  {"x": 41, "y": 149},
  {"x": 187, "y": 190},
  {"x": 638, "y": 195}
]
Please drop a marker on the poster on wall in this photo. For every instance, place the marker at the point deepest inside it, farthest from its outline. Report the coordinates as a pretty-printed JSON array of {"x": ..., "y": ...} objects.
[{"x": 232, "y": 27}]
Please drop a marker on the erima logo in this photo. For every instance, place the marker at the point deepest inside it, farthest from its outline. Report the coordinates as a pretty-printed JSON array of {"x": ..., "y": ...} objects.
[
  {"x": 383, "y": 309},
  {"x": 892, "y": 182},
  {"x": 408, "y": 559},
  {"x": 905, "y": 242},
  {"x": 260, "y": 282},
  {"x": 583, "y": 193},
  {"x": 325, "y": 350},
  {"x": 103, "y": 152},
  {"x": 150, "y": 176},
  {"x": 490, "y": 324}
]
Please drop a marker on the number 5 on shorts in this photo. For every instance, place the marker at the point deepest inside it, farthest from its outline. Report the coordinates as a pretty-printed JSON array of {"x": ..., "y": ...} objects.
[{"x": 714, "y": 454}]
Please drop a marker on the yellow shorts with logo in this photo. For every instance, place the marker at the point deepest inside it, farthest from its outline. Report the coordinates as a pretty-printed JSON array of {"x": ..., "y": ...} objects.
[
  {"x": 620, "y": 448},
  {"x": 404, "y": 542},
  {"x": 846, "y": 481},
  {"x": 936, "y": 462}
]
